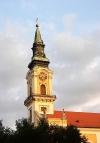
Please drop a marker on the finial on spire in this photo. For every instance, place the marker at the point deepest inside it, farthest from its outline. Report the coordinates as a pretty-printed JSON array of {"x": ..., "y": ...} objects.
[
  {"x": 37, "y": 38},
  {"x": 37, "y": 22}
]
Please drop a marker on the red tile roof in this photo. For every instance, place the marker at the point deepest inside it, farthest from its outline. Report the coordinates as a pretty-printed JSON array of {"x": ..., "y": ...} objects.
[{"x": 79, "y": 119}]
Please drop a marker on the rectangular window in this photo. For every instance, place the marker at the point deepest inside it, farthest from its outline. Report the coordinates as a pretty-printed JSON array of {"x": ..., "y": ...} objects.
[
  {"x": 31, "y": 115},
  {"x": 30, "y": 91},
  {"x": 43, "y": 108}
]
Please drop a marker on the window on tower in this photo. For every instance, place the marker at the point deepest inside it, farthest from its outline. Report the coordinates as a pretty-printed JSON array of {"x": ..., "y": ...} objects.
[
  {"x": 43, "y": 89},
  {"x": 30, "y": 115},
  {"x": 43, "y": 108},
  {"x": 30, "y": 91}
]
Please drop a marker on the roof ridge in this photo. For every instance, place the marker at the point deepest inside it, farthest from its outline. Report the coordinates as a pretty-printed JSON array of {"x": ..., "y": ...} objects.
[{"x": 78, "y": 112}]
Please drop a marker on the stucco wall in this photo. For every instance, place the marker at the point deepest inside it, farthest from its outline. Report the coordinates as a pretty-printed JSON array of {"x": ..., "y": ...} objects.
[{"x": 92, "y": 133}]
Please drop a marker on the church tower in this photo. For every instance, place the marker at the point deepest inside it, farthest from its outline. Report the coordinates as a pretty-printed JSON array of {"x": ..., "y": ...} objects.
[{"x": 39, "y": 82}]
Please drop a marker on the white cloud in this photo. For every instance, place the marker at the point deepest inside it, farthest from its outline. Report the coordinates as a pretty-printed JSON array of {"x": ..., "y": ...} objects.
[
  {"x": 47, "y": 28},
  {"x": 75, "y": 61},
  {"x": 13, "y": 60},
  {"x": 68, "y": 21}
]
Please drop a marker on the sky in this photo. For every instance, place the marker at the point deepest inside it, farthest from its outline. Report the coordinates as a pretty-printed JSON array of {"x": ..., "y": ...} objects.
[{"x": 70, "y": 29}]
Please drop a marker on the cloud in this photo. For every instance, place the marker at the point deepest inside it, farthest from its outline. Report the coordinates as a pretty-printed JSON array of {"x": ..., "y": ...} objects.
[
  {"x": 47, "y": 30},
  {"x": 13, "y": 60},
  {"x": 75, "y": 62},
  {"x": 69, "y": 20}
]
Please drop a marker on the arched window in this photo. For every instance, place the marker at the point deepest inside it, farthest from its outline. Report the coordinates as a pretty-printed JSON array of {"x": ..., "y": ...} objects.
[{"x": 43, "y": 89}]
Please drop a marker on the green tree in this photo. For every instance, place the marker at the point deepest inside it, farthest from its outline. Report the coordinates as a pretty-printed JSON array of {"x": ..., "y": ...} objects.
[
  {"x": 24, "y": 131},
  {"x": 2, "y": 128},
  {"x": 6, "y": 134},
  {"x": 73, "y": 135},
  {"x": 42, "y": 131},
  {"x": 57, "y": 134}
]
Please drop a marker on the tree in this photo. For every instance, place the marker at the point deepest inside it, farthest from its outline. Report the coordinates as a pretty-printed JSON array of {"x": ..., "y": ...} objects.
[
  {"x": 6, "y": 134},
  {"x": 58, "y": 134},
  {"x": 1, "y": 131},
  {"x": 42, "y": 131},
  {"x": 26, "y": 132},
  {"x": 73, "y": 135}
]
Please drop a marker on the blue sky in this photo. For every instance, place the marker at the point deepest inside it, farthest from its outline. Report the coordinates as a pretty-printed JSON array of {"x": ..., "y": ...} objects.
[
  {"x": 87, "y": 11},
  {"x": 71, "y": 31}
]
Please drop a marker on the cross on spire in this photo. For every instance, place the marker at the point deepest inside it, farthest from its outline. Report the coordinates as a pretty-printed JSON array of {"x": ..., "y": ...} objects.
[{"x": 37, "y": 22}]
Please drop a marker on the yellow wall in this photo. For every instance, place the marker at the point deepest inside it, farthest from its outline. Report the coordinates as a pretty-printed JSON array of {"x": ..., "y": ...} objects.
[
  {"x": 91, "y": 138},
  {"x": 92, "y": 133},
  {"x": 57, "y": 121},
  {"x": 48, "y": 105},
  {"x": 34, "y": 81}
]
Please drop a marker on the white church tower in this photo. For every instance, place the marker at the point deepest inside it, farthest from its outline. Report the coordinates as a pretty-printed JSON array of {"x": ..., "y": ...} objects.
[{"x": 39, "y": 82}]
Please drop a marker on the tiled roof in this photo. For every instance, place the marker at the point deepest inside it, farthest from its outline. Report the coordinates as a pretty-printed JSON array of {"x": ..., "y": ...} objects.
[{"x": 79, "y": 119}]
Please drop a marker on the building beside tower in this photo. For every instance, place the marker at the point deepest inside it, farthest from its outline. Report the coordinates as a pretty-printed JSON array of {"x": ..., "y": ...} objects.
[{"x": 40, "y": 99}]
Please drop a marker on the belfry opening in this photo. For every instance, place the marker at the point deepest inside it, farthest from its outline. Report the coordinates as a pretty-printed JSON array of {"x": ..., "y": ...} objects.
[{"x": 43, "y": 89}]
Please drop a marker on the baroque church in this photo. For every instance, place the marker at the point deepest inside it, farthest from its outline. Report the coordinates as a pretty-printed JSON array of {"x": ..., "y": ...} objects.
[{"x": 40, "y": 99}]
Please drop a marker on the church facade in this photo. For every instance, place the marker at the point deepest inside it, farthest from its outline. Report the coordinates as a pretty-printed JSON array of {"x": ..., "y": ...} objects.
[{"x": 40, "y": 99}]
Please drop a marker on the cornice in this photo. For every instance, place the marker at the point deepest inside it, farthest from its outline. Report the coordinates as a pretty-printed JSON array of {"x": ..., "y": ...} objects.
[{"x": 39, "y": 98}]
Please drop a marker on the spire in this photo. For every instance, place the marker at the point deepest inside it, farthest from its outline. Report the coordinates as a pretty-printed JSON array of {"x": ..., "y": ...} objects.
[
  {"x": 37, "y": 38},
  {"x": 39, "y": 57}
]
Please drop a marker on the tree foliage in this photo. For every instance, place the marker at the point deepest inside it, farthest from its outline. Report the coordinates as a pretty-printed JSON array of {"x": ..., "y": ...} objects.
[
  {"x": 26, "y": 132},
  {"x": 6, "y": 134}
]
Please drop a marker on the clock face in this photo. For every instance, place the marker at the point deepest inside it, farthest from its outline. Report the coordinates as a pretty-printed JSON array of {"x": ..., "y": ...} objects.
[{"x": 42, "y": 76}]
